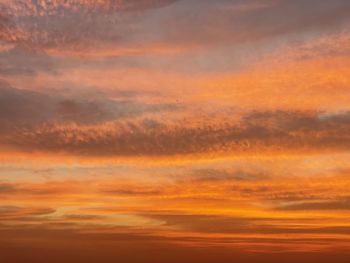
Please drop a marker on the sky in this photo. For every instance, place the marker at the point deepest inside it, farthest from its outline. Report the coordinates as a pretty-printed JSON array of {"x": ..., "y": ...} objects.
[{"x": 174, "y": 131}]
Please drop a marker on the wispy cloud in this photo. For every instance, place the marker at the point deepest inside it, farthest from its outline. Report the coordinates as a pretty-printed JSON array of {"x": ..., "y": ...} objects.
[{"x": 209, "y": 130}]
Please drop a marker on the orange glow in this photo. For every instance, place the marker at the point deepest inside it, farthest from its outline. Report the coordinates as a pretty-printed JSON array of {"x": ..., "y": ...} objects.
[{"x": 174, "y": 131}]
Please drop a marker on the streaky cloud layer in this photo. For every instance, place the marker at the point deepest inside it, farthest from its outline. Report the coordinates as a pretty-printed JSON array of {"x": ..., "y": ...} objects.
[{"x": 139, "y": 130}]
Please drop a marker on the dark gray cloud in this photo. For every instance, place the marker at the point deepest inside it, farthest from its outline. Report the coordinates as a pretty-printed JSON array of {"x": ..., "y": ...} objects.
[
  {"x": 274, "y": 131},
  {"x": 22, "y": 60},
  {"x": 69, "y": 24},
  {"x": 202, "y": 23},
  {"x": 24, "y": 108},
  {"x": 20, "y": 106},
  {"x": 235, "y": 22}
]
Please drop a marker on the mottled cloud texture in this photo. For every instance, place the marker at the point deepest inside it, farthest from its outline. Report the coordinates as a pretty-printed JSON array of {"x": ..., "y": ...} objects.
[{"x": 135, "y": 131}]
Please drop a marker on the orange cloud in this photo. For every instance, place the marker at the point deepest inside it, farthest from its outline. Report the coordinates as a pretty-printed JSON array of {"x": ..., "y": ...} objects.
[{"x": 140, "y": 130}]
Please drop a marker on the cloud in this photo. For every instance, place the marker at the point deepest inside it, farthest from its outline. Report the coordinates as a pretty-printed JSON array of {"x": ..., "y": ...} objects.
[
  {"x": 6, "y": 188},
  {"x": 107, "y": 24},
  {"x": 61, "y": 7},
  {"x": 9, "y": 213},
  {"x": 212, "y": 175},
  {"x": 99, "y": 160},
  {"x": 68, "y": 245},
  {"x": 317, "y": 205},
  {"x": 24, "y": 108},
  {"x": 23, "y": 190},
  {"x": 33, "y": 243},
  {"x": 256, "y": 132},
  {"x": 234, "y": 27},
  {"x": 24, "y": 61},
  {"x": 82, "y": 217},
  {"x": 47, "y": 24},
  {"x": 226, "y": 224},
  {"x": 133, "y": 192}
]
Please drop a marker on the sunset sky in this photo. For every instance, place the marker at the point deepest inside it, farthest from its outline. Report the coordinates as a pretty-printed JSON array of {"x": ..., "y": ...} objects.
[{"x": 174, "y": 131}]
